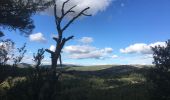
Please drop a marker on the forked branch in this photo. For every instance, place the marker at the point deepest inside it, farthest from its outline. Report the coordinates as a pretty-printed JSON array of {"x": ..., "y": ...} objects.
[
  {"x": 74, "y": 18},
  {"x": 63, "y": 6},
  {"x": 59, "y": 19},
  {"x": 69, "y": 38},
  {"x": 49, "y": 51}
]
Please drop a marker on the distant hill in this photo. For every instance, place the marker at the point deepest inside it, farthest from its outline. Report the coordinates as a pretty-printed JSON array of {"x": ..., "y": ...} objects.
[{"x": 24, "y": 65}]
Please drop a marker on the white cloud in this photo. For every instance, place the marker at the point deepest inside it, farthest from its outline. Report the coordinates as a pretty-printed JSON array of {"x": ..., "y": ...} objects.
[
  {"x": 114, "y": 56},
  {"x": 86, "y": 40},
  {"x": 162, "y": 44},
  {"x": 108, "y": 50},
  {"x": 94, "y": 55},
  {"x": 95, "y": 6},
  {"x": 142, "y": 53},
  {"x": 137, "y": 48},
  {"x": 52, "y": 48},
  {"x": 87, "y": 52},
  {"x": 141, "y": 48},
  {"x": 79, "y": 49},
  {"x": 37, "y": 37}
]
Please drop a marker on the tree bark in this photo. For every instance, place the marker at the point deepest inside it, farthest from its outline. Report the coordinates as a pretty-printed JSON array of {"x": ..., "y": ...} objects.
[{"x": 54, "y": 63}]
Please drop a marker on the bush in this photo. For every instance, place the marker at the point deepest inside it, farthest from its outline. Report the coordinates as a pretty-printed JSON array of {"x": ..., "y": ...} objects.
[{"x": 160, "y": 74}]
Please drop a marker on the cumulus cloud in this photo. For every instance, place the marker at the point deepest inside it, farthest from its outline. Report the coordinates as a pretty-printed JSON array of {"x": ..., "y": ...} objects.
[
  {"x": 86, "y": 52},
  {"x": 95, "y": 6},
  {"x": 52, "y": 48},
  {"x": 37, "y": 37},
  {"x": 141, "y": 48},
  {"x": 94, "y": 55},
  {"x": 86, "y": 40},
  {"x": 79, "y": 49}
]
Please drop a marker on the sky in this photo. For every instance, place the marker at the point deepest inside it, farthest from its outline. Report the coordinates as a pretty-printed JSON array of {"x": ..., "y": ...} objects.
[{"x": 119, "y": 32}]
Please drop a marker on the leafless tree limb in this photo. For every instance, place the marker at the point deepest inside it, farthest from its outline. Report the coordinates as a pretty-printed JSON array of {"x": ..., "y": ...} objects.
[
  {"x": 68, "y": 11},
  {"x": 74, "y": 18},
  {"x": 69, "y": 38},
  {"x": 56, "y": 39},
  {"x": 64, "y": 6},
  {"x": 49, "y": 51}
]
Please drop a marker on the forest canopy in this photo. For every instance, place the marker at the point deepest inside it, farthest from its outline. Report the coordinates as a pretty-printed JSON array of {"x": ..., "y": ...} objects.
[{"x": 17, "y": 14}]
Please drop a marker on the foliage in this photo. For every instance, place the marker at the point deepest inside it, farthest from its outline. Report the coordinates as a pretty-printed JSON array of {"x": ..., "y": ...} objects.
[
  {"x": 23, "y": 85},
  {"x": 37, "y": 58},
  {"x": 17, "y": 59},
  {"x": 160, "y": 74},
  {"x": 16, "y": 14},
  {"x": 1, "y": 34},
  {"x": 161, "y": 57},
  {"x": 6, "y": 47}
]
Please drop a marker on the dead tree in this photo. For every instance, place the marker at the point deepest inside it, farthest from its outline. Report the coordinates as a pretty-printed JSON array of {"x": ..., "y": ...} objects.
[{"x": 60, "y": 40}]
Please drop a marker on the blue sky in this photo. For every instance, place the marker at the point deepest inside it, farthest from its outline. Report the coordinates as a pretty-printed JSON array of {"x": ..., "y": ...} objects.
[{"x": 120, "y": 34}]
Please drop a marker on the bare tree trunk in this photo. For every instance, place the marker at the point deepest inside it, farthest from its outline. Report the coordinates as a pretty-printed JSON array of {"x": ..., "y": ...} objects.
[{"x": 54, "y": 64}]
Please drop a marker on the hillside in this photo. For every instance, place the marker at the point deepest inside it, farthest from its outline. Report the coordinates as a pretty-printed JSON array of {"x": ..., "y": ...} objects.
[{"x": 118, "y": 82}]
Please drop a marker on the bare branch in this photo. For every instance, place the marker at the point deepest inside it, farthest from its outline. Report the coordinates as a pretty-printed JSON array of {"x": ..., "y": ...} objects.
[
  {"x": 74, "y": 18},
  {"x": 55, "y": 14},
  {"x": 49, "y": 51},
  {"x": 67, "y": 39},
  {"x": 69, "y": 10},
  {"x": 56, "y": 39},
  {"x": 57, "y": 18},
  {"x": 64, "y": 40},
  {"x": 86, "y": 14},
  {"x": 63, "y": 6}
]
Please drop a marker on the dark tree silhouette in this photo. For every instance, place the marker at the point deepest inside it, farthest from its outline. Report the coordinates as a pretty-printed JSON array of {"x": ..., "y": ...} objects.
[
  {"x": 160, "y": 74},
  {"x": 17, "y": 59},
  {"x": 1, "y": 34},
  {"x": 37, "y": 58},
  {"x": 60, "y": 40},
  {"x": 16, "y": 14}
]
